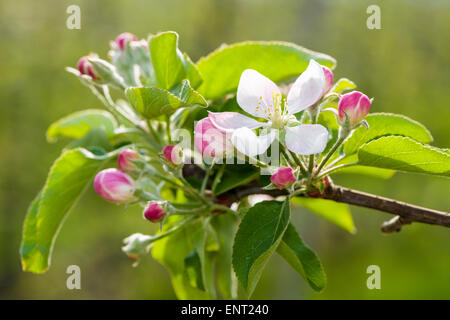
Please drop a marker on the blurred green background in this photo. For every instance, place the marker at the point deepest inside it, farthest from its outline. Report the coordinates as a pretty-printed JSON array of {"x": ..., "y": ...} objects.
[{"x": 405, "y": 66}]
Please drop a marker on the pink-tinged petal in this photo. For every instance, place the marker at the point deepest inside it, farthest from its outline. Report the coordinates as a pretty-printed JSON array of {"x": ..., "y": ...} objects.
[
  {"x": 248, "y": 143},
  {"x": 255, "y": 93},
  {"x": 306, "y": 139},
  {"x": 328, "y": 78},
  {"x": 230, "y": 121},
  {"x": 86, "y": 68},
  {"x": 115, "y": 186},
  {"x": 210, "y": 141},
  {"x": 283, "y": 178},
  {"x": 307, "y": 89},
  {"x": 355, "y": 106}
]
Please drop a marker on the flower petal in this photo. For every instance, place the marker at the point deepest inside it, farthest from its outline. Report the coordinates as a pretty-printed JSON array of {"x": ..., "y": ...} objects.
[
  {"x": 307, "y": 89},
  {"x": 248, "y": 143},
  {"x": 230, "y": 121},
  {"x": 255, "y": 92},
  {"x": 306, "y": 139}
]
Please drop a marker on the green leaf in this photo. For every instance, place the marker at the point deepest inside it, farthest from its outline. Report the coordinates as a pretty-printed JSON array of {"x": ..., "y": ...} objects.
[
  {"x": 367, "y": 171},
  {"x": 342, "y": 85},
  {"x": 68, "y": 177},
  {"x": 170, "y": 64},
  {"x": 78, "y": 124},
  {"x": 152, "y": 102},
  {"x": 172, "y": 251},
  {"x": 302, "y": 259},
  {"x": 257, "y": 238},
  {"x": 405, "y": 154},
  {"x": 225, "y": 226},
  {"x": 279, "y": 61},
  {"x": 383, "y": 124},
  {"x": 337, "y": 213},
  {"x": 193, "y": 269},
  {"x": 236, "y": 175}
]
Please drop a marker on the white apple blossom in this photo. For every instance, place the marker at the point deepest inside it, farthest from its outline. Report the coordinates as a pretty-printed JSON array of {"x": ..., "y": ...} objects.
[{"x": 261, "y": 98}]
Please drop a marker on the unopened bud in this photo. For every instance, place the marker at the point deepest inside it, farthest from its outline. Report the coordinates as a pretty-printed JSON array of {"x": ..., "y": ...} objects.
[
  {"x": 85, "y": 67},
  {"x": 136, "y": 245},
  {"x": 154, "y": 212},
  {"x": 211, "y": 141},
  {"x": 353, "y": 108},
  {"x": 115, "y": 186},
  {"x": 283, "y": 178},
  {"x": 124, "y": 39},
  {"x": 173, "y": 154},
  {"x": 126, "y": 160}
]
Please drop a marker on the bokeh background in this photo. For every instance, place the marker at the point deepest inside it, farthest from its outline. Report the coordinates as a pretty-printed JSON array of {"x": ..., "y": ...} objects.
[{"x": 404, "y": 65}]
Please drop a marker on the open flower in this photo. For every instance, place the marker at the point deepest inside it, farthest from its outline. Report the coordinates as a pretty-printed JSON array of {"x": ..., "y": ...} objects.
[{"x": 261, "y": 98}]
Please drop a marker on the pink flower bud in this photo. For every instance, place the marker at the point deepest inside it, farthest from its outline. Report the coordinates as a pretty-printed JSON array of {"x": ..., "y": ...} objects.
[
  {"x": 211, "y": 141},
  {"x": 123, "y": 39},
  {"x": 125, "y": 160},
  {"x": 283, "y": 178},
  {"x": 353, "y": 106},
  {"x": 154, "y": 212},
  {"x": 328, "y": 78},
  {"x": 173, "y": 154},
  {"x": 114, "y": 185},
  {"x": 85, "y": 67}
]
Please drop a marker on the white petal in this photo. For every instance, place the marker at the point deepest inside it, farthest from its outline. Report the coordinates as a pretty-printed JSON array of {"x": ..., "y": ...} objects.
[
  {"x": 248, "y": 143},
  {"x": 306, "y": 139},
  {"x": 307, "y": 89},
  {"x": 255, "y": 92},
  {"x": 230, "y": 121}
]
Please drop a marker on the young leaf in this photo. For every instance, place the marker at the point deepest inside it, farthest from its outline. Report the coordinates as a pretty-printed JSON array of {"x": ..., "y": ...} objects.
[
  {"x": 77, "y": 124},
  {"x": 383, "y": 124},
  {"x": 152, "y": 102},
  {"x": 342, "y": 85},
  {"x": 257, "y": 238},
  {"x": 337, "y": 213},
  {"x": 236, "y": 175},
  {"x": 225, "y": 226},
  {"x": 171, "y": 66},
  {"x": 279, "y": 61},
  {"x": 171, "y": 252},
  {"x": 367, "y": 171},
  {"x": 302, "y": 259},
  {"x": 67, "y": 179},
  {"x": 405, "y": 154}
]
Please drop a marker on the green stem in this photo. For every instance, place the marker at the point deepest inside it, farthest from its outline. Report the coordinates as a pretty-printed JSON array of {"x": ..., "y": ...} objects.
[
  {"x": 311, "y": 163},
  {"x": 288, "y": 159},
  {"x": 206, "y": 178},
  {"x": 330, "y": 153},
  {"x": 217, "y": 179},
  {"x": 299, "y": 162},
  {"x": 182, "y": 224},
  {"x": 224, "y": 208},
  {"x": 332, "y": 169},
  {"x": 169, "y": 135},
  {"x": 154, "y": 133}
]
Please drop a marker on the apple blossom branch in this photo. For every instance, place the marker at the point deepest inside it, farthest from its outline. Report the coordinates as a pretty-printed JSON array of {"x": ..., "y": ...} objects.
[{"x": 405, "y": 213}]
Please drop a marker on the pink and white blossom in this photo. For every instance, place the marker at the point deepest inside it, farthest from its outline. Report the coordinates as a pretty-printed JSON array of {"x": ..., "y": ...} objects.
[
  {"x": 124, "y": 39},
  {"x": 261, "y": 98},
  {"x": 85, "y": 67},
  {"x": 114, "y": 185}
]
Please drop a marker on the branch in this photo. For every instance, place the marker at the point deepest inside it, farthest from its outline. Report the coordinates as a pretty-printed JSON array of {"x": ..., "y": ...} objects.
[{"x": 405, "y": 213}]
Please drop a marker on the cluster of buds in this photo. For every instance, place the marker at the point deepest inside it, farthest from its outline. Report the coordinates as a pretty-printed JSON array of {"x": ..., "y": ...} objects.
[{"x": 118, "y": 186}]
